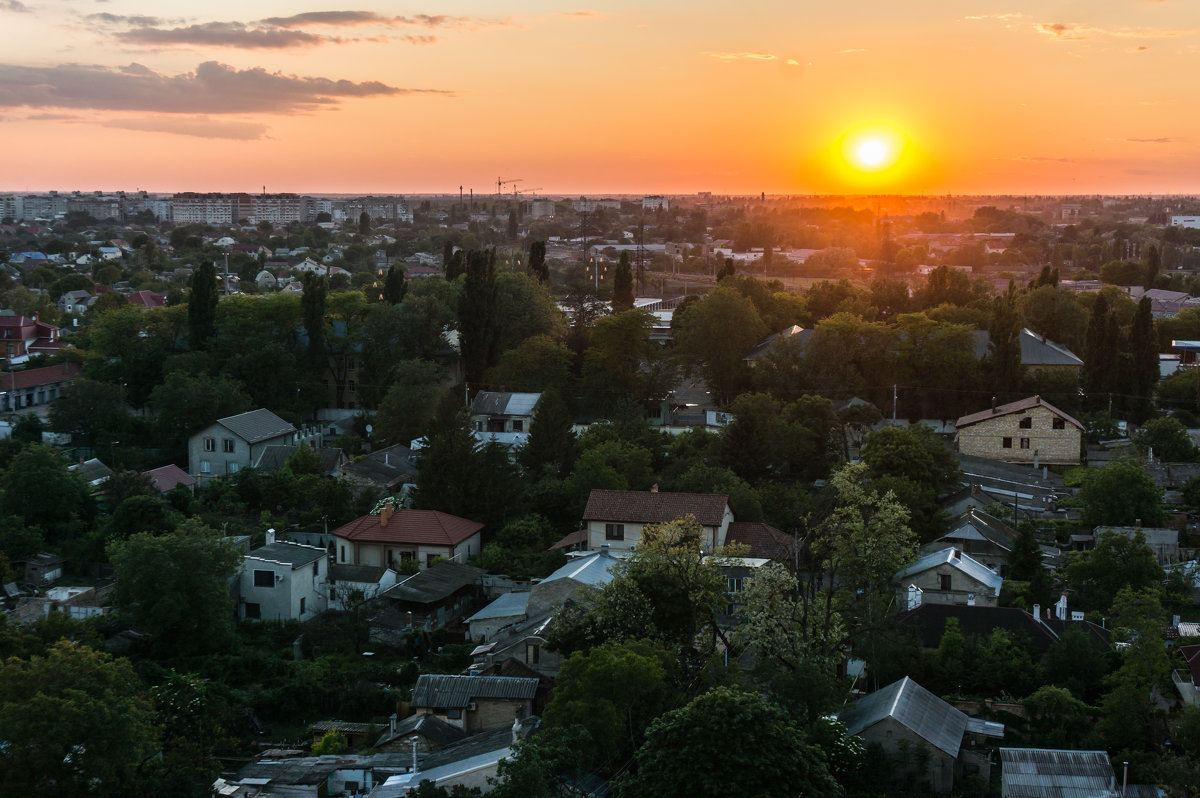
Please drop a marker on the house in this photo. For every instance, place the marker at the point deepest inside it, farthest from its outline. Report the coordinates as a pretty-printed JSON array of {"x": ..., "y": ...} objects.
[
  {"x": 474, "y": 703},
  {"x": 232, "y": 443},
  {"x": 166, "y": 478},
  {"x": 22, "y": 337},
  {"x": 947, "y": 577},
  {"x": 350, "y": 585},
  {"x": 905, "y": 714},
  {"x": 764, "y": 541},
  {"x": 1164, "y": 541},
  {"x": 1027, "y": 431},
  {"x": 147, "y": 299},
  {"x": 76, "y": 303},
  {"x": 265, "y": 280},
  {"x": 94, "y": 472},
  {"x": 273, "y": 457},
  {"x": 283, "y": 581},
  {"x": 393, "y": 537},
  {"x": 311, "y": 776},
  {"x": 42, "y": 569},
  {"x": 616, "y": 517},
  {"x": 1049, "y": 773},
  {"x": 1041, "y": 631},
  {"x": 31, "y": 387},
  {"x": 429, "y": 732},
  {"x": 493, "y": 411},
  {"x": 987, "y": 539},
  {"x": 384, "y": 470},
  {"x": 430, "y": 599}
]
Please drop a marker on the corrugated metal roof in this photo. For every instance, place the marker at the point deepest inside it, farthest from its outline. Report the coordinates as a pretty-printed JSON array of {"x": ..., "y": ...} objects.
[
  {"x": 497, "y": 403},
  {"x": 434, "y": 583},
  {"x": 506, "y": 605},
  {"x": 909, "y": 703},
  {"x": 1049, "y": 773},
  {"x": 443, "y": 691},
  {"x": 256, "y": 425},
  {"x": 953, "y": 557},
  {"x": 293, "y": 554},
  {"x": 594, "y": 569}
]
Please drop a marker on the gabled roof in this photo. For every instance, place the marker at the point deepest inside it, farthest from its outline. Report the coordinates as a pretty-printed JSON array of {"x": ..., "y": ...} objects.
[
  {"x": 441, "y": 691},
  {"x": 32, "y": 378},
  {"x": 256, "y": 425},
  {"x": 437, "y": 732},
  {"x": 495, "y": 403},
  {"x": 929, "y": 623},
  {"x": 1049, "y": 773},
  {"x": 769, "y": 344},
  {"x": 653, "y": 507},
  {"x": 928, "y": 716},
  {"x": 978, "y": 525},
  {"x": 275, "y": 456},
  {"x": 410, "y": 526},
  {"x": 294, "y": 554},
  {"x": 594, "y": 569},
  {"x": 168, "y": 477},
  {"x": 506, "y": 605},
  {"x": 957, "y": 559},
  {"x": 435, "y": 583},
  {"x": 1020, "y": 406},
  {"x": 1036, "y": 350},
  {"x": 764, "y": 540}
]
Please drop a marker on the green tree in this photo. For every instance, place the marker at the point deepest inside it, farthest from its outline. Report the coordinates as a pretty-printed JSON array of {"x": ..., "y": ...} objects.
[
  {"x": 478, "y": 320},
  {"x": 950, "y": 660},
  {"x": 1057, "y": 719},
  {"x": 552, "y": 442},
  {"x": 1076, "y": 662},
  {"x": 74, "y": 722},
  {"x": 1025, "y": 565},
  {"x": 395, "y": 286},
  {"x": 538, "y": 364},
  {"x": 92, "y": 413},
  {"x": 186, "y": 403},
  {"x": 408, "y": 406},
  {"x": 313, "y": 304},
  {"x": 715, "y": 334},
  {"x": 1117, "y": 562},
  {"x": 1120, "y": 494},
  {"x": 447, "y": 473},
  {"x": 1130, "y": 716},
  {"x": 537, "y": 262},
  {"x": 331, "y": 742},
  {"x": 176, "y": 587},
  {"x": 1168, "y": 439},
  {"x": 39, "y": 487},
  {"x": 1143, "y": 368},
  {"x": 623, "y": 285},
  {"x": 771, "y": 757},
  {"x": 1004, "y": 343},
  {"x": 202, "y": 306}
]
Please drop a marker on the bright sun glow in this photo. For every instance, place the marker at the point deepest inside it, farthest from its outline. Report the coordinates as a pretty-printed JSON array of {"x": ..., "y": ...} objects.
[
  {"x": 872, "y": 153},
  {"x": 872, "y": 150}
]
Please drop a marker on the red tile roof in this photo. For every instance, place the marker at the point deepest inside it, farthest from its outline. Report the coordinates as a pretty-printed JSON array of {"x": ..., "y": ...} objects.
[
  {"x": 652, "y": 507},
  {"x": 411, "y": 526},
  {"x": 764, "y": 540},
  {"x": 168, "y": 477},
  {"x": 32, "y": 378},
  {"x": 147, "y": 299}
]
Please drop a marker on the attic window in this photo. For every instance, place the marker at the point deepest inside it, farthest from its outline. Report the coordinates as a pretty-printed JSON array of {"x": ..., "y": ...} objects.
[
  {"x": 1026, "y": 423},
  {"x": 1060, "y": 423}
]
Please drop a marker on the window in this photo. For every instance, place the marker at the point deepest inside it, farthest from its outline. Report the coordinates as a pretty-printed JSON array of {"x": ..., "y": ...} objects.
[
  {"x": 210, "y": 444},
  {"x": 1060, "y": 423},
  {"x": 733, "y": 584},
  {"x": 429, "y": 558},
  {"x": 227, "y": 445},
  {"x": 343, "y": 554},
  {"x": 533, "y": 653},
  {"x": 317, "y": 568},
  {"x": 350, "y": 386},
  {"x": 454, "y": 714},
  {"x": 205, "y": 467},
  {"x": 253, "y": 610},
  {"x": 264, "y": 578},
  {"x": 1006, "y": 443},
  {"x": 302, "y": 600},
  {"x": 944, "y": 581},
  {"x": 614, "y": 531},
  {"x": 1024, "y": 443},
  {"x": 1026, "y": 423},
  {"x": 518, "y": 425},
  {"x": 232, "y": 468},
  {"x": 350, "y": 364}
]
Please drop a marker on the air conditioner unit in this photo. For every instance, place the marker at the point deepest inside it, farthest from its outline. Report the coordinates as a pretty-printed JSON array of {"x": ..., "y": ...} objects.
[
  {"x": 470, "y": 706},
  {"x": 278, "y": 577}
]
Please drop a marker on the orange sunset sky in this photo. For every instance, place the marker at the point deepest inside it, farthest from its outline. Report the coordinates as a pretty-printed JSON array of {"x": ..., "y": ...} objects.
[{"x": 1074, "y": 96}]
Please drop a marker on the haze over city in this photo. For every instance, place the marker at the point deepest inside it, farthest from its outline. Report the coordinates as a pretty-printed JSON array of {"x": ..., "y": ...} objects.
[{"x": 975, "y": 97}]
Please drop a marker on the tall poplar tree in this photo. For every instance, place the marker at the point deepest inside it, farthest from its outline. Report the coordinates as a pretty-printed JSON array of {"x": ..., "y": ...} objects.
[
  {"x": 313, "y": 304},
  {"x": 623, "y": 285},
  {"x": 1142, "y": 372},
  {"x": 394, "y": 286},
  {"x": 202, "y": 306},
  {"x": 478, "y": 325},
  {"x": 1004, "y": 342},
  {"x": 537, "y": 262},
  {"x": 1098, "y": 358}
]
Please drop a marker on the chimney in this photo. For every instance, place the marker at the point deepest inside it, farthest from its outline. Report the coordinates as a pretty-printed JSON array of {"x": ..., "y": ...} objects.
[
  {"x": 1037, "y": 611},
  {"x": 1061, "y": 608},
  {"x": 270, "y": 536},
  {"x": 386, "y": 514},
  {"x": 993, "y": 404},
  {"x": 654, "y": 488},
  {"x": 392, "y": 723},
  {"x": 516, "y": 730}
]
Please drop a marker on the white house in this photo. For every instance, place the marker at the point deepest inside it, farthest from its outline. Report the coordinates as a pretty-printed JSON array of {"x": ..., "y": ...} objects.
[{"x": 283, "y": 581}]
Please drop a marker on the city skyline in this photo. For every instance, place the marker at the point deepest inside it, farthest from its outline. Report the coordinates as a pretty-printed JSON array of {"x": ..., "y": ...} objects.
[{"x": 612, "y": 98}]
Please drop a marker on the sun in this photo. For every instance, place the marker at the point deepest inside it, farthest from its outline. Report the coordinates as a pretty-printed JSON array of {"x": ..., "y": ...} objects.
[{"x": 872, "y": 150}]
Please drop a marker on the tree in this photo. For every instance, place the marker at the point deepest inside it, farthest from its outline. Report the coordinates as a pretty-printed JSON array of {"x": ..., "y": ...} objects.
[
  {"x": 538, "y": 364},
  {"x": 1153, "y": 265},
  {"x": 478, "y": 322},
  {"x": 1076, "y": 662},
  {"x": 1168, "y": 439},
  {"x": 176, "y": 586},
  {"x": 1117, "y": 562},
  {"x": 313, "y": 304},
  {"x": 715, "y": 334},
  {"x": 74, "y": 722},
  {"x": 1120, "y": 494},
  {"x": 1004, "y": 342},
  {"x": 1100, "y": 352},
  {"x": 552, "y": 442},
  {"x": 537, "y": 262},
  {"x": 332, "y": 742},
  {"x": 408, "y": 406},
  {"x": 1057, "y": 719},
  {"x": 185, "y": 403},
  {"x": 771, "y": 758},
  {"x": 364, "y": 223},
  {"x": 1025, "y": 565},
  {"x": 446, "y": 475},
  {"x": 92, "y": 413},
  {"x": 202, "y": 306},
  {"x": 39, "y": 487},
  {"x": 623, "y": 285},
  {"x": 1130, "y": 716},
  {"x": 395, "y": 286}
]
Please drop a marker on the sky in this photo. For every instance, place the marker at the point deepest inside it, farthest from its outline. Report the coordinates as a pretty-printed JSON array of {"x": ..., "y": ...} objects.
[{"x": 672, "y": 96}]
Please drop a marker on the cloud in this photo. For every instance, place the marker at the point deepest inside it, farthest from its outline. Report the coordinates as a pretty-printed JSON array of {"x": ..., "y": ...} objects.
[
  {"x": 225, "y": 34},
  {"x": 742, "y": 56},
  {"x": 354, "y": 19},
  {"x": 15, "y": 6},
  {"x": 54, "y": 117},
  {"x": 197, "y": 126},
  {"x": 1162, "y": 140},
  {"x": 213, "y": 88},
  {"x": 851, "y": 51},
  {"x": 1043, "y": 158},
  {"x": 139, "y": 20},
  {"x": 581, "y": 13},
  {"x": 1002, "y": 17},
  {"x": 1076, "y": 31}
]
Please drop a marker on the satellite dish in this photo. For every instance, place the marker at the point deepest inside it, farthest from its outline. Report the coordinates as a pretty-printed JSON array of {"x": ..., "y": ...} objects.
[{"x": 370, "y": 429}]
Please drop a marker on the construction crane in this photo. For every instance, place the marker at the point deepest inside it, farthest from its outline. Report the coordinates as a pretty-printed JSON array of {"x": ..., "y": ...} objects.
[
  {"x": 500, "y": 184},
  {"x": 517, "y": 192}
]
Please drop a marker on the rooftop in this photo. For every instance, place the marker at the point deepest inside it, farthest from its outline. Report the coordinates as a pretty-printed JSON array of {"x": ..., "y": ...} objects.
[
  {"x": 410, "y": 526},
  {"x": 912, "y": 705},
  {"x": 1019, "y": 406},
  {"x": 256, "y": 425},
  {"x": 1050, "y": 773},
  {"x": 654, "y": 507},
  {"x": 286, "y": 553},
  {"x": 434, "y": 583},
  {"x": 963, "y": 562},
  {"x": 444, "y": 691}
]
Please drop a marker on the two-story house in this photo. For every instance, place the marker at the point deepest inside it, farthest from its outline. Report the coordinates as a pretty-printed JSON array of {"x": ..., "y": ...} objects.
[
  {"x": 235, "y": 442},
  {"x": 283, "y": 581},
  {"x": 493, "y": 411},
  {"x": 948, "y": 577},
  {"x": 1027, "y": 431},
  {"x": 616, "y": 517},
  {"x": 22, "y": 337},
  {"x": 395, "y": 537}
]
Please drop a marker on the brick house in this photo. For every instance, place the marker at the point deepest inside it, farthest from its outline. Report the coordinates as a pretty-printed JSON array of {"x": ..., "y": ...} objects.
[
  {"x": 474, "y": 703},
  {"x": 1027, "y": 431},
  {"x": 22, "y": 337}
]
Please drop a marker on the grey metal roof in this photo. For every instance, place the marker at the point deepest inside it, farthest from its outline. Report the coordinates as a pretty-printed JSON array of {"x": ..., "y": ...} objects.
[
  {"x": 275, "y": 457},
  {"x": 1036, "y": 350},
  {"x": 434, "y": 583},
  {"x": 365, "y": 574},
  {"x": 293, "y": 554},
  {"x": 594, "y": 569},
  {"x": 1050, "y": 773},
  {"x": 256, "y": 425},
  {"x": 436, "y": 731},
  {"x": 909, "y": 703},
  {"x": 442, "y": 691},
  {"x": 972, "y": 568},
  {"x": 496, "y": 403},
  {"x": 506, "y": 605}
]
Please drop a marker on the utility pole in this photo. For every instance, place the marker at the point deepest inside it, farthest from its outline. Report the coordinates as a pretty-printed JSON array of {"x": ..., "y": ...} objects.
[{"x": 895, "y": 395}]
